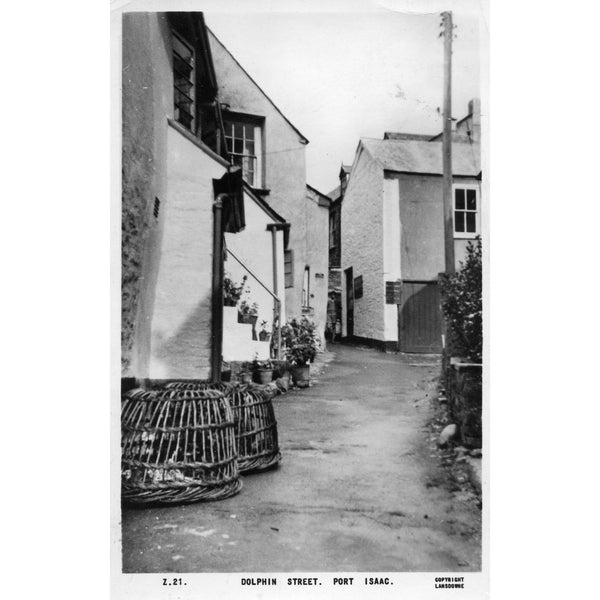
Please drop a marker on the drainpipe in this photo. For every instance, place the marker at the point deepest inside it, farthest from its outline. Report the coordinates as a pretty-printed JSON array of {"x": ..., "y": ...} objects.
[
  {"x": 277, "y": 304},
  {"x": 217, "y": 292}
]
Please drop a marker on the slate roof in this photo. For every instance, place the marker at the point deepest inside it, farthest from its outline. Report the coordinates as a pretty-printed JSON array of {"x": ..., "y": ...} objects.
[{"x": 414, "y": 156}]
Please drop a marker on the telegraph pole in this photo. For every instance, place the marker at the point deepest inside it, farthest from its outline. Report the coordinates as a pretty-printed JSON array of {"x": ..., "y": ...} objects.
[{"x": 447, "y": 144}]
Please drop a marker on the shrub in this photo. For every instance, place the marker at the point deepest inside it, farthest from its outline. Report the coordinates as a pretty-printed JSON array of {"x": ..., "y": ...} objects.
[
  {"x": 462, "y": 305},
  {"x": 301, "y": 341}
]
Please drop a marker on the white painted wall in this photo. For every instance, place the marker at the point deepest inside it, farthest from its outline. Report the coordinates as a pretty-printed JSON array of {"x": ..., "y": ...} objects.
[
  {"x": 391, "y": 252},
  {"x": 362, "y": 232},
  {"x": 181, "y": 319},
  {"x": 254, "y": 247},
  {"x": 283, "y": 159}
]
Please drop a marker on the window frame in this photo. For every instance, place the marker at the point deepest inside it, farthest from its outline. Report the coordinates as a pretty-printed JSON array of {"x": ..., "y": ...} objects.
[
  {"x": 193, "y": 79},
  {"x": 257, "y": 123},
  {"x": 477, "y": 211}
]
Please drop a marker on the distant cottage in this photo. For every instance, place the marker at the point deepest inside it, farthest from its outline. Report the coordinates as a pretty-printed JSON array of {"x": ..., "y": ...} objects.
[{"x": 392, "y": 238}]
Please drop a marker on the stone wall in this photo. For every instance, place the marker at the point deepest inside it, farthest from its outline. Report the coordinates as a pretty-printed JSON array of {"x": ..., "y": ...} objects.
[
  {"x": 362, "y": 234},
  {"x": 464, "y": 392},
  {"x": 146, "y": 102}
]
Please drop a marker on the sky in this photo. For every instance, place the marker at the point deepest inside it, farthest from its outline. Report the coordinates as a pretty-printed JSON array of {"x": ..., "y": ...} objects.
[{"x": 340, "y": 72}]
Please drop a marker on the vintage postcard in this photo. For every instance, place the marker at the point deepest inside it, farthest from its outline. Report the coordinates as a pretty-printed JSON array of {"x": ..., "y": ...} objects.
[{"x": 300, "y": 360}]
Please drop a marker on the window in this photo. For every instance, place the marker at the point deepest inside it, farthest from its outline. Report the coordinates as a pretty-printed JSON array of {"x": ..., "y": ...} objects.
[
  {"x": 306, "y": 287},
  {"x": 243, "y": 141},
  {"x": 466, "y": 211},
  {"x": 333, "y": 228},
  {"x": 183, "y": 82},
  {"x": 288, "y": 268}
]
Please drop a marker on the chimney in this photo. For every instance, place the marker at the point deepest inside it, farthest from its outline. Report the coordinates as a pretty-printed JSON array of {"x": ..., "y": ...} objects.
[{"x": 475, "y": 112}]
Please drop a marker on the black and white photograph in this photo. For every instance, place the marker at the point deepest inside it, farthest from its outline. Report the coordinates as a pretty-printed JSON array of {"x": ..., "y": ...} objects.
[
  {"x": 304, "y": 217},
  {"x": 299, "y": 299}
]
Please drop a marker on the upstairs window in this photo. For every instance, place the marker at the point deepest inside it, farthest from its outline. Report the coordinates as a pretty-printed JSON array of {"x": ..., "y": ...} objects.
[
  {"x": 333, "y": 228},
  {"x": 184, "y": 77},
  {"x": 466, "y": 211},
  {"x": 243, "y": 141}
]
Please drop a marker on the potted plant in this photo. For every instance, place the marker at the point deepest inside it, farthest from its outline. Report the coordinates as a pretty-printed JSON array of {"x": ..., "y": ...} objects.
[
  {"x": 263, "y": 334},
  {"x": 263, "y": 370},
  {"x": 232, "y": 292},
  {"x": 301, "y": 344},
  {"x": 247, "y": 313}
]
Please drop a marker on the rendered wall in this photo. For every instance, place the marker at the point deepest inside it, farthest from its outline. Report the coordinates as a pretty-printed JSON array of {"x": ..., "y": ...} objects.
[
  {"x": 317, "y": 257},
  {"x": 362, "y": 235},
  {"x": 392, "y": 240},
  {"x": 422, "y": 226},
  {"x": 284, "y": 158},
  {"x": 254, "y": 247},
  {"x": 181, "y": 323}
]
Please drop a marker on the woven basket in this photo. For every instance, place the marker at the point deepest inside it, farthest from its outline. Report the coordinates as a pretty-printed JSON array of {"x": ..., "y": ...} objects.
[
  {"x": 255, "y": 424},
  {"x": 256, "y": 428},
  {"x": 178, "y": 446}
]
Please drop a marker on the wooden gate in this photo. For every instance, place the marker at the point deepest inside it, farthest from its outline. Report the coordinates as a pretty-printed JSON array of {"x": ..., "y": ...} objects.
[{"x": 419, "y": 319}]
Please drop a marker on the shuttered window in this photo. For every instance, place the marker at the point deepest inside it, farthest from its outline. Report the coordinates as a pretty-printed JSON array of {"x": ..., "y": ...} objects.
[{"x": 288, "y": 264}]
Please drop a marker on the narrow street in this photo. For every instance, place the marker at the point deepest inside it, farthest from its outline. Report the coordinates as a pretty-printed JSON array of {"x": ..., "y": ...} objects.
[{"x": 360, "y": 487}]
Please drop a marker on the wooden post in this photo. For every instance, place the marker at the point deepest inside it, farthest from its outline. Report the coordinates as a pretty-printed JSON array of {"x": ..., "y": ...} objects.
[{"x": 447, "y": 145}]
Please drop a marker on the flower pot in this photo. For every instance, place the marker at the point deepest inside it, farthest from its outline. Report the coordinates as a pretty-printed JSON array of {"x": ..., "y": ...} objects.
[
  {"x": 265, "y": 375},
  {"x": 247, "y": 318},
  {"x": 301, "y": 375},
  {"x": 229, "y": 302},
  {"x": 263, "y": 336}
]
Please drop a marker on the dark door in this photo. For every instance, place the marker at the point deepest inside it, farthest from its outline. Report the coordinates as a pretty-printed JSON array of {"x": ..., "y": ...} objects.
[
  {"x": 349, "y": 302},
  {"x": 419, "y": 322}
]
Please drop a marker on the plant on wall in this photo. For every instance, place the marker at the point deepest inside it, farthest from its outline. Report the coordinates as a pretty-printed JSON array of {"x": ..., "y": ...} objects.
[
  {"x": 247, "y": 309},
  {"x": 232, "y": 291},
  {"x": 462, "y": 305}
]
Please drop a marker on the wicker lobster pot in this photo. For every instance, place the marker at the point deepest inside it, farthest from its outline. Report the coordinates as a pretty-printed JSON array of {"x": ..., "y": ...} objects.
[
  {"x": 178, "y": 446},
  {"x": 256, "y": 427}
]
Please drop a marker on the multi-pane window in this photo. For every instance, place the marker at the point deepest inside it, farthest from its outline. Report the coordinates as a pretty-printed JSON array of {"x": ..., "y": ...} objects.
[
  {"x": 242, "y": 146},
  {"x": 183, "y": 82},
  {"x": 465, "y": 211}
]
